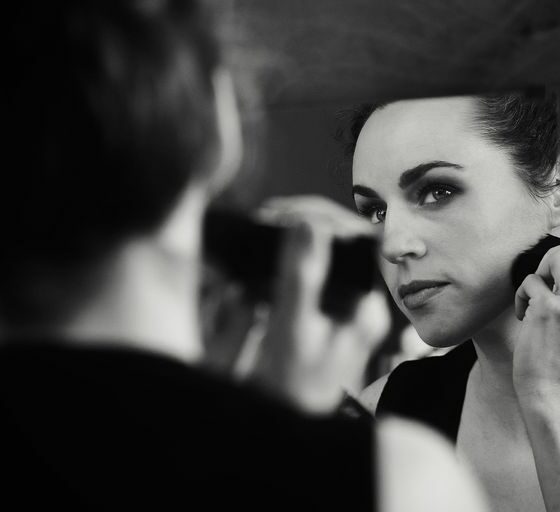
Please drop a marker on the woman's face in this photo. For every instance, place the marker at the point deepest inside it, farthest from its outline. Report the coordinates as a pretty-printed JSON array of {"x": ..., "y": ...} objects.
[{"x": 449, "y": 208}]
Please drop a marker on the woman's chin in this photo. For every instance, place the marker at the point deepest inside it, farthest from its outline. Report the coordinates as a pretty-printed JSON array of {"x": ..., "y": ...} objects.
[{"x": 441, "y": 337}]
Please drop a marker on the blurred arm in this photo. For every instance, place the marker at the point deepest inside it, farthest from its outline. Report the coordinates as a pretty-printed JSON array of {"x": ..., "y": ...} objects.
[{"x": 419, "y": 472}]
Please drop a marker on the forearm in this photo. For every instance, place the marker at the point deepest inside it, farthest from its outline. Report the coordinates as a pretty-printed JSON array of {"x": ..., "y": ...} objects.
[{"x": 541, "y": 412}]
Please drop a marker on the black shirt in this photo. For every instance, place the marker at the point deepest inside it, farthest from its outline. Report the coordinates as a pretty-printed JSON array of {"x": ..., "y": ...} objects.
[
  {"x": 430, "y": 390},
  {"x": 107, "y": 428}
]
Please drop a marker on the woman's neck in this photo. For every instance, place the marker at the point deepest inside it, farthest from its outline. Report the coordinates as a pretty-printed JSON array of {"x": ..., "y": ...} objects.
[
  {"x": 144, "y": 305},
  {"x": 142, "y": 299},
  {"x": 144, "y": 295},
  {"x": 491, "y": 379},
  {"x": 494, "y": 348}
]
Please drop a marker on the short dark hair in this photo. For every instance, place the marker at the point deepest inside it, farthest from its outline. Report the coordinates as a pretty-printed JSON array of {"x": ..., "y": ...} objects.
[
  {"x": 523, "y": 123},
  {"x": 110, "y": 115}
]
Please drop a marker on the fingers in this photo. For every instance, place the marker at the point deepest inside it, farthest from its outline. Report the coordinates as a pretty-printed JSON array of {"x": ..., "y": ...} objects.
[
  {"x": 539, "y": 284},
  {"x": 353, "y": 342},
  {"x": 304, "y": 264},
  {"x": 531, "y": 286},
  {"x": 305, "y": 354},
  {"x": 549, "y": 268},
  {"x": 372, "y": 319},
  {"x": 534, "y": 289},
  {"x": 343, "y": 222}
]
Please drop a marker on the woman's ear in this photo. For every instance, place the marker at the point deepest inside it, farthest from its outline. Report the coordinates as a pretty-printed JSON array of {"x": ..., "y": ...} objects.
[
  {"x": 228, "y": 126},
  {"x": 555, "y": 202},
  {"x": 180, "y": 233}
]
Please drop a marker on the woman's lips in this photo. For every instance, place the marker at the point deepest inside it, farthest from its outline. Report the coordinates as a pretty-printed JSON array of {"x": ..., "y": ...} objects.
[
  {"x": 416, "y": 293},
  {"x": 419, "y": 298}
]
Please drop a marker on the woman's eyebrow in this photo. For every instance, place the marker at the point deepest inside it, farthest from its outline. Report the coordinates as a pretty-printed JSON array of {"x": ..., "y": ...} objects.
[
  {"x": 411, "y": 175},
  {"x": 407, "y": 178},
  {"x": 365, "y": 191}
]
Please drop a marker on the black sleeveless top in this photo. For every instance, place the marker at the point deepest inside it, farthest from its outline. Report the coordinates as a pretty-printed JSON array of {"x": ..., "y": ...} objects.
[{"x": 430, "y": 390}]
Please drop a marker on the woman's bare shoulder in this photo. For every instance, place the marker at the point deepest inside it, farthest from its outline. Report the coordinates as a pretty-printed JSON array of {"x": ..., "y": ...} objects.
[
  {"x": 411, "y": 458},
  {"x": 369, "y": 397}
]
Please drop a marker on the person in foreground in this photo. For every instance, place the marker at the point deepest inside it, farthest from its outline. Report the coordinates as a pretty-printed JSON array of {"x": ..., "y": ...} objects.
[
  {"x": 123, "y": 126},
  {"x": 456, "y": 189}
]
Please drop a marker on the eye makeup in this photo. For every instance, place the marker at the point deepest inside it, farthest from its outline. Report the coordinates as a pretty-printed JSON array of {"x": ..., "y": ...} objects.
[
  {"x": 370, "y": 208},
  {"x": 430, "y": 185},
  {"x": 374, "y": 208}
]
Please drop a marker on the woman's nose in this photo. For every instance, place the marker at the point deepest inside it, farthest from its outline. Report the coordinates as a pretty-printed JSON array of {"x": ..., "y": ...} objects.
[{"x": 401, "y": 239}]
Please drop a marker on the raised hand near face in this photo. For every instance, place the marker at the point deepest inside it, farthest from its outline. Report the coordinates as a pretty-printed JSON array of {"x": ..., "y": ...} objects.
[
  {"x": 536, "y": 363},
  {"x": 536, "y": 370},
  {"x": 308, "y": 356}
]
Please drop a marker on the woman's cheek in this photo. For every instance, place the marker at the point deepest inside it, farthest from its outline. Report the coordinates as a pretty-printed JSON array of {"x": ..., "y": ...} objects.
[{"x": 389, "y": 272}]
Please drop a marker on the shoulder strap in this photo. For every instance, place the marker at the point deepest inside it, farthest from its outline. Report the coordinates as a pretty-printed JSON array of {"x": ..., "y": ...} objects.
[{"x": 430, "y": 390}]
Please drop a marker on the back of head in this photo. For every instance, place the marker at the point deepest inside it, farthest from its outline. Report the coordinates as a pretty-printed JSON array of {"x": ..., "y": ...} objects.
[{"x": 110, "y": 117}]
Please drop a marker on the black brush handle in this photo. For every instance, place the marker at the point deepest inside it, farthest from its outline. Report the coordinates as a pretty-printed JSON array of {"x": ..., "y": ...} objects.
[
  {"x": 528, "y": 261},
  {"x": 248, "y": 251}
]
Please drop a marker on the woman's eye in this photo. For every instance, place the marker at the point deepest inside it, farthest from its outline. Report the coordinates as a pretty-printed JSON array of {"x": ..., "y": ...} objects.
[
  {"x": 433, "y": 194},
  {"x": 378, "y": 215},
  {"x": 375, "y": 214}
]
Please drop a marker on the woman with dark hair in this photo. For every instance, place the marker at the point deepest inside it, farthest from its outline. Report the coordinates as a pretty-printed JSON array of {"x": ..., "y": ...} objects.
[{"x": 457, "y": 188}]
